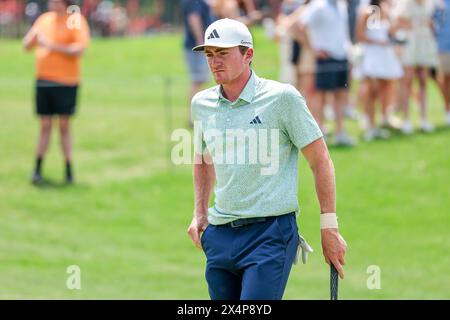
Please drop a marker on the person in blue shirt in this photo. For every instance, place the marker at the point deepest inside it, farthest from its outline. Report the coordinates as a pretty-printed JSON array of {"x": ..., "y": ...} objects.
[
  {"x": 442, "y": 27},
  {"x": 197, "y": 16}
]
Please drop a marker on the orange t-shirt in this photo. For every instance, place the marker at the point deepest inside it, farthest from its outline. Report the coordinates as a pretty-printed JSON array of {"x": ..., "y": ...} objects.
[{"x": 66, "y": 30}]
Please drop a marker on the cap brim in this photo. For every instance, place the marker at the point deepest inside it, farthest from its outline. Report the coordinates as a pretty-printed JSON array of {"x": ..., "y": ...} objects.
[{"x": 217, "y": 45}]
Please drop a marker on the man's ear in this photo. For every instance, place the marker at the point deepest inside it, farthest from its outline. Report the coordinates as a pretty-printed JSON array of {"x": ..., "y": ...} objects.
[{"x": 249, "y": 55}]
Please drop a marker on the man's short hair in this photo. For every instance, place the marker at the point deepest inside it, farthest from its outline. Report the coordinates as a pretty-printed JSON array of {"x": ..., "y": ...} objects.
[{"x": 243, "y": 49}]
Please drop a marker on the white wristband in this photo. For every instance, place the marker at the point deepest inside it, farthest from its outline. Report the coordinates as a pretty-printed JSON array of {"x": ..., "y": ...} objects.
[{"x": 328, "y": 221}]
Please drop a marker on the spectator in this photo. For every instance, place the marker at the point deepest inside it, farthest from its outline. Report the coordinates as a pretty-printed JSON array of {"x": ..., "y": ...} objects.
[
  {"x": 196, "y": 17},
  {"x": 58, "y": 75},
  {"x": 380, "y": 65},
  {"x": 442, "y": 22},
  {"x": 305, "y": 61},
  {"x": 327, "y": 24},
  {"x": 243, "y": 11},
  {"x": 419, "y": 54}
]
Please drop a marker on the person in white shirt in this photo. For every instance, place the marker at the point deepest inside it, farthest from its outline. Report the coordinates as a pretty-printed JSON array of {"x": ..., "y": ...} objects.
[
  {"x": 326, "y": 22},
  {"x": 419, "y": 54}
]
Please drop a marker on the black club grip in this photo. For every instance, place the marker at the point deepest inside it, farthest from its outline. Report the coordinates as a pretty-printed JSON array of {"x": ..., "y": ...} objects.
[{"x": 334, "y": 278}]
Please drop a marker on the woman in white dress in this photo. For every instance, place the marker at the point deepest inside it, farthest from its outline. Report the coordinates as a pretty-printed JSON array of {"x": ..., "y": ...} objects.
[
  {"x": 380, "y": 66},
  {"x": 419, "y": 54}
]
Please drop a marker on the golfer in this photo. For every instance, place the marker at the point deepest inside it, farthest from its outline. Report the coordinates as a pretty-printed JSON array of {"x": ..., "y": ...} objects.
[
  {"x": 250, "y": 234},
  {"x": 60, "y": 39}
]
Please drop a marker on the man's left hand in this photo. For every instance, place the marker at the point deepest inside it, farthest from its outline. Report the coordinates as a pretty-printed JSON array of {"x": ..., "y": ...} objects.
[{"x": 334, "y": 248}]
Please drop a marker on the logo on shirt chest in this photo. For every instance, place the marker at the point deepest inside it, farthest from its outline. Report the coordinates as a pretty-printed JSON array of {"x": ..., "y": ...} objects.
[{"x": 256, "y": 120}]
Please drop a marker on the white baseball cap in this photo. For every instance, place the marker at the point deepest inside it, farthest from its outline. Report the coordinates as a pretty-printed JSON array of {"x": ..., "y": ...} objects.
[{"x": 226, "y": 33}]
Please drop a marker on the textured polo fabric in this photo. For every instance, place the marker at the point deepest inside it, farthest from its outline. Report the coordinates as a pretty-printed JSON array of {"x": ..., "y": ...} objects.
[{"x": 254, "y": 142}]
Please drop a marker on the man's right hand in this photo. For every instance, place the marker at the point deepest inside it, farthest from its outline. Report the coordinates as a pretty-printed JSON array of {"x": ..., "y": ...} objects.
[{"x": 196, "y": 228}]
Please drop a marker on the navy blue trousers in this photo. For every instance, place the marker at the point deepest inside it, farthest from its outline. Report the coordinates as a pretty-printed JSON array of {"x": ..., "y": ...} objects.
[{"x": 250, "y": 262}]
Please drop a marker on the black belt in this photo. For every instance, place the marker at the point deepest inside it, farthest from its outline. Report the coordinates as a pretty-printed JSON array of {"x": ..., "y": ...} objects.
[{"x": 246, "y": 221}]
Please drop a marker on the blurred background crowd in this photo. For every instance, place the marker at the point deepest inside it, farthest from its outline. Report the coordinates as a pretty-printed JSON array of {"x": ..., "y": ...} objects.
[
  {"x": 111, "y": 17},
  {"x": 387, "y": 45}
]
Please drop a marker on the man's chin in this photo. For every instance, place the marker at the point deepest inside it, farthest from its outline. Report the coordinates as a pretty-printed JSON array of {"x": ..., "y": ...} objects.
[{"x": 219, "y": 80}]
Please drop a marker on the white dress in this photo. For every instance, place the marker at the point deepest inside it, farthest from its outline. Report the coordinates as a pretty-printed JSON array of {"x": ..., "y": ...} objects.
[
  {"x": 421, "y": 47},
  {"x": 380, "y": 61}
]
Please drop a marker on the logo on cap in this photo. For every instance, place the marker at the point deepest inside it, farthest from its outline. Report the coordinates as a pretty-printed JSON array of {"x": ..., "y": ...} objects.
[{"x": 214, "y": 35}]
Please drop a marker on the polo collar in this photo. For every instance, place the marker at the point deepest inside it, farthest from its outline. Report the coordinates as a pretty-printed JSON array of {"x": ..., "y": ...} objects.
[{"x": 247, "y": 93}]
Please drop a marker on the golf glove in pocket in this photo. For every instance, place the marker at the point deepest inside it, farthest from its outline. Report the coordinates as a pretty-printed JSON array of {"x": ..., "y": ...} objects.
[{"x": 305, "y": 249}]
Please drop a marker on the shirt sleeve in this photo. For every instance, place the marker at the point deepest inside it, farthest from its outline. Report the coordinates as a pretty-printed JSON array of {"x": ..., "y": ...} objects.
[
  {"x": 310, "y": 16},
  {"x": 297, "y": 121},
  {"x": 193, "y": 7},
  {"x": 199, "y": 141}
]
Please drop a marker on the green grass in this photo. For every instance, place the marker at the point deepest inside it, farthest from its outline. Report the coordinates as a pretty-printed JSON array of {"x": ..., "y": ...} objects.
[{"x": 124, "y": 222}]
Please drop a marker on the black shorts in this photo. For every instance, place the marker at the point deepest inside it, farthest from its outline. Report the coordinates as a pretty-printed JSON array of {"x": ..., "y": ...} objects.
[
  {"x": 55, "y": 98},
  {"x": 331, "y": 74}
]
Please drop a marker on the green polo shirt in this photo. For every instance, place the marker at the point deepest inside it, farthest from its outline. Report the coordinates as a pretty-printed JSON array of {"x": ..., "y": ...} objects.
[{"x": 254, "y": 142}]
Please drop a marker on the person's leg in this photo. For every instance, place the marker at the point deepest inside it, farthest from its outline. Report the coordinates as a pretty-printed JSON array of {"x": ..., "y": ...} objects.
[
  {"x": 385, "y": 92},
  {"x": 223, "y": 284},
  {"x": 405, "y": 96},
  {"x": 423, "y": 102},
  {"x": 308, "y": 86},
  {"x": 224, "y": 281},
  {"x": 317, "y": 110},
  {"x": 447, "y": 92},
  {"x": 322, "y": 86},
  {"x": 342, "y": 138},
  {"x": 340, "y": 98},
  {"x": 444, "y": 82},
  {"x": 66, "y": 139},
  {"x": 350, "y": 109},
  {"x": 369, "y": 103},
  {"x": 381, "y": 91},
  {"x": 199, "y": 73},
  {"x": 339, "y": 84},
  {"x": 66, "y": 145},
  {"x": 42, "y": 146},
  {"x": 65, "y": 98},
  {"x": 308, "y": 90},
  {"x": 44, "y": 136},
  {"x": 361, "y": 96},
  {"x": 387, "y": 95},
  {"x": 444, "y": 87},
  {"x": 272, "y": 247}
]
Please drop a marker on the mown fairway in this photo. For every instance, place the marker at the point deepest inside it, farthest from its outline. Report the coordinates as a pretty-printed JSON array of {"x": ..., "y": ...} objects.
[{"x": 124, "y": 222}]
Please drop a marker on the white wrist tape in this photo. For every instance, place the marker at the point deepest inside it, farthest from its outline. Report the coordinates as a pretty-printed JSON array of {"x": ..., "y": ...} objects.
[{"x": 328, "y": 221}]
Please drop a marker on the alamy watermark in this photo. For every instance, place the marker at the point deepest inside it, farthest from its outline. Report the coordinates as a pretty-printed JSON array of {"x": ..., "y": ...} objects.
[
  {"x": 73, "y": 281},
  {"x": 252, "y": 146},
  {"x": 374, "y": 280},
  {"x": 74, "y": 19}
]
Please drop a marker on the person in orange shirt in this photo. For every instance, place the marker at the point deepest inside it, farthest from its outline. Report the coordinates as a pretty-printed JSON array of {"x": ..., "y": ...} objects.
[{"x": 60, "y": 38}]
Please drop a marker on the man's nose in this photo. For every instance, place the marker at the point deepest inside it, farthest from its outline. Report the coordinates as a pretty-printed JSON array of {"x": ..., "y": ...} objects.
[{"x": 215, "y": 60}]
